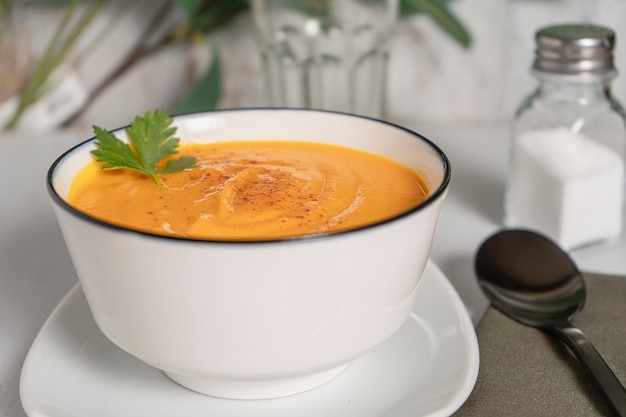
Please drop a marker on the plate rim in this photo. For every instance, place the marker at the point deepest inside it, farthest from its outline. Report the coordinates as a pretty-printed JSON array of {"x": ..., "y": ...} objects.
[{"x": 473, "y": 346}]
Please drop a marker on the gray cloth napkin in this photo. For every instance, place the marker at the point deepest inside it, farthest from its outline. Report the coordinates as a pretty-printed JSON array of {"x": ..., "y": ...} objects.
[{"x": 526, "y": 372}]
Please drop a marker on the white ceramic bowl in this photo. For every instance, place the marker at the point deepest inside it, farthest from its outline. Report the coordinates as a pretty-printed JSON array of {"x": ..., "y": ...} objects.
[{"x": 257, "y": 319}]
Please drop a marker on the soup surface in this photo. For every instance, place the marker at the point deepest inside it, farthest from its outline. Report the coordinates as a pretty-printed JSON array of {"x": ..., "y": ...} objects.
[{"x": 259, "y": 190}]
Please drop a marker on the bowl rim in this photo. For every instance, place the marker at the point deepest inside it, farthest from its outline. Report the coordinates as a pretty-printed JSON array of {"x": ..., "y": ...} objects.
[{"x": 430, "y": 200}]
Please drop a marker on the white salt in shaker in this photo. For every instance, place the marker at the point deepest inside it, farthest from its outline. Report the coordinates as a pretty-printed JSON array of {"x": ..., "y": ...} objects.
[{"x": 568, "y": 142}]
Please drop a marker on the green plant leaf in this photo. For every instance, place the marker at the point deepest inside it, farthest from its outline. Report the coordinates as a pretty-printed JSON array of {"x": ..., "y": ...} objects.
[
  {"x": 189, "y": 6},
  {"x": 114, "y": 153},
  {"x": 4, "y": 6},
  {"x": 442, "y": 16},
  {"x": 66, "y": 35},
  {"x": 151, "y": 139},
  {"x": 206, "y": 15},
  {"x": 408, "y": 7},
  {"x": 205, "y": 94},
  {"x": 176, "y": 165}
]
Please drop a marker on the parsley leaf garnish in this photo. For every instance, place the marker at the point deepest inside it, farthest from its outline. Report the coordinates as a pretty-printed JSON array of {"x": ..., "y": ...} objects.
[{"x": 151, "y": 138}]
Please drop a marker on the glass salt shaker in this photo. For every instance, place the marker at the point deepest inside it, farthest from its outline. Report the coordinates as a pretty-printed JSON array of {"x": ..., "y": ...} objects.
[{"x": 568, "y": 141}]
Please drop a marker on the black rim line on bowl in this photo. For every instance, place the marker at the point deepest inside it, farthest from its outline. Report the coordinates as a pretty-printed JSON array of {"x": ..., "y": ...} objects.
[{"x": 428, "y": 201}]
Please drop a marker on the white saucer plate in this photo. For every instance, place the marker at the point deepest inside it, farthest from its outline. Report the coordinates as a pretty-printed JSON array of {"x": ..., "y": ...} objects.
[{"x": 428, "y": 368}]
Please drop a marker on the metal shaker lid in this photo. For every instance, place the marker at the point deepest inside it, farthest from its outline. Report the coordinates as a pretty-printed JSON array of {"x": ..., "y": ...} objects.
[{"x": 574, "y": 49}]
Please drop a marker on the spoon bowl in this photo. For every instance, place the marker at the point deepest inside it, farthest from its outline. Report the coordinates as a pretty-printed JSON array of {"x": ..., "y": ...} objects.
[
  {"x": 532, "y": 280},
  {"x": 536, "y": 284}
]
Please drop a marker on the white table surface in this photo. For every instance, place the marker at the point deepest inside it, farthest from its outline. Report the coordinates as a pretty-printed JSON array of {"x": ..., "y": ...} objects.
[{"x": 36, "y": 271}]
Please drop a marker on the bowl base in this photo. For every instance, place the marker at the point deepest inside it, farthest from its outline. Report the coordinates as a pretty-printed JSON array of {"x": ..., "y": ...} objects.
[{"x": 257, "y": 389}]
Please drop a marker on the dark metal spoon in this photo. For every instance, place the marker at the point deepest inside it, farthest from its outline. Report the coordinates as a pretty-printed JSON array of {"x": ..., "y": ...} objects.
[{"x": 530, "y": 279}]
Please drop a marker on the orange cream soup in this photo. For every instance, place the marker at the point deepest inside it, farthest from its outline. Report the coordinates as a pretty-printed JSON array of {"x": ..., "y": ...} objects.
[{"x": 253, "y": 191}]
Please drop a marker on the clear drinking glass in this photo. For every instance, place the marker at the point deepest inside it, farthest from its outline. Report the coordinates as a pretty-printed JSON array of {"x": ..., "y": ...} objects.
[{"x": 326, "y": 54}]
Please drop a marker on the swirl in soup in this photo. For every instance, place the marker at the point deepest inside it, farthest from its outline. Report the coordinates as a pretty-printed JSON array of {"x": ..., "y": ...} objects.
[{"x": 253, "y": 190}]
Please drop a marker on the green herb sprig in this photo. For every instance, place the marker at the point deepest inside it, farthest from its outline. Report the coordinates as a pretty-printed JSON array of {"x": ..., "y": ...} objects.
[{"x": 151, "y": 138}]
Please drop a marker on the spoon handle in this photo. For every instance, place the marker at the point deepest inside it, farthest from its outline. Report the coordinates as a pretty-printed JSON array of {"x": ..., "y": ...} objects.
[{"x": 596, "y": 367}]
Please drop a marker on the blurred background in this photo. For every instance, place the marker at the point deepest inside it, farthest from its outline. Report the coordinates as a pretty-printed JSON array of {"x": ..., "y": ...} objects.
[{"x": 70, "y": 63}]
